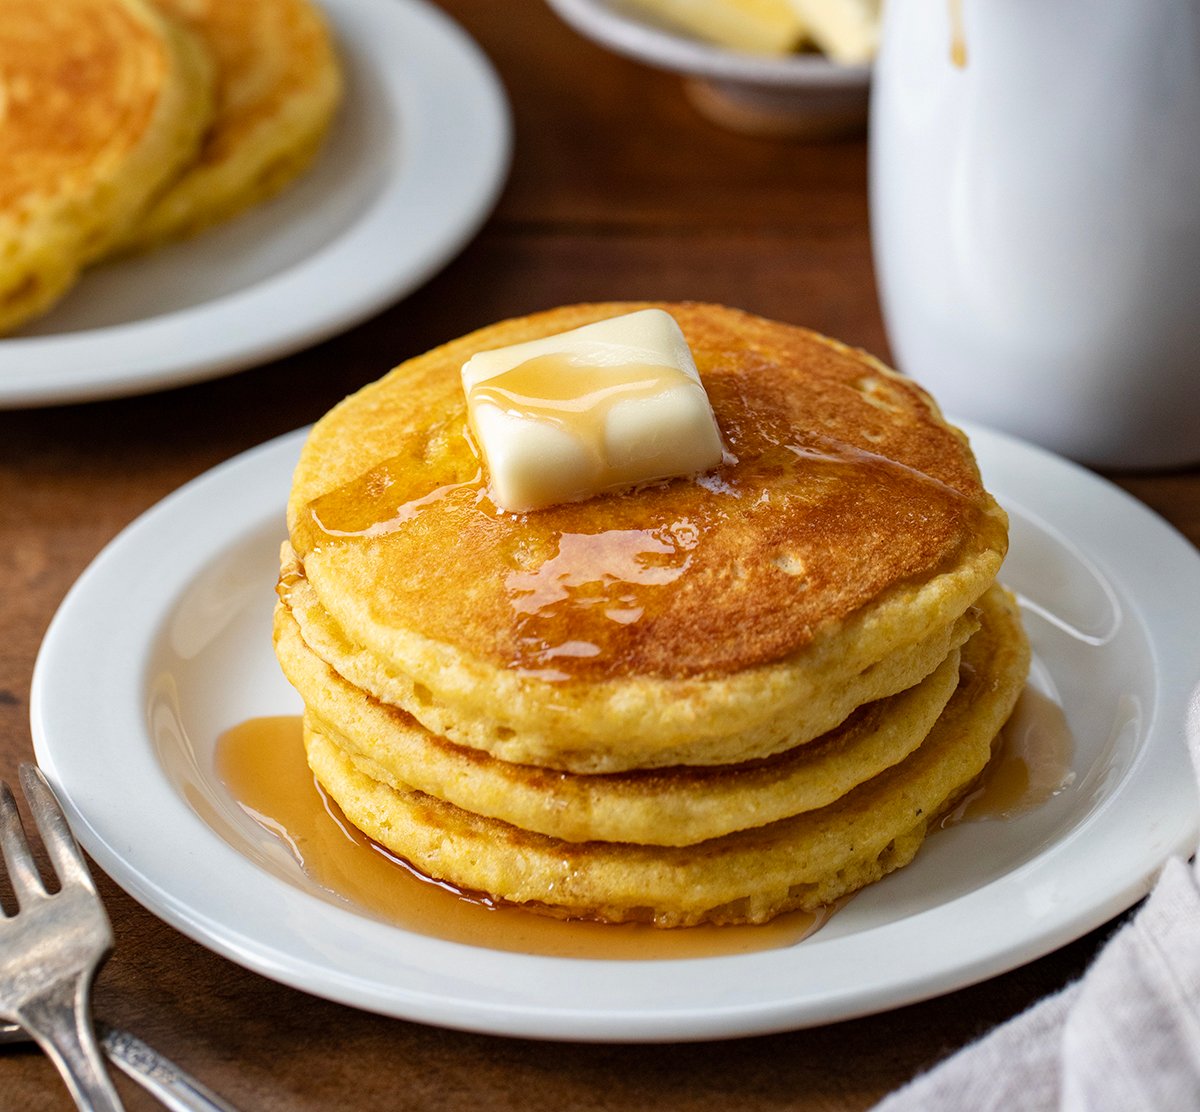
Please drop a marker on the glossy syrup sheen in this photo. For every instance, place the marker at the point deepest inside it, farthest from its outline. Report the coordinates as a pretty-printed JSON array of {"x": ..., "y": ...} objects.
[
  {"x": 262, "y": 764},
  {"x": 958, "y": 38},
  {"x": 1032, "y": 763},
  {"x": 578, "y": 399},
  {"x": 577, "y": 396},
  {"x": 696, "y": 576}
]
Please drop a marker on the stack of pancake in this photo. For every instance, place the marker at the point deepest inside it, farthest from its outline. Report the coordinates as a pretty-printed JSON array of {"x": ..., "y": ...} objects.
[
  {"x": 710, "y": 699},
  {"x": 125, "y": 123}
]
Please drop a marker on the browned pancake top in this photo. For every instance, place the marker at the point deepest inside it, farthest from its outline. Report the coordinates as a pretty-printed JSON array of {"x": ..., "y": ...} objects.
[
  {"x": 79, "y": 82},
  {"x": 266, "y": 52},
  {"x": 843, "y": 483}
]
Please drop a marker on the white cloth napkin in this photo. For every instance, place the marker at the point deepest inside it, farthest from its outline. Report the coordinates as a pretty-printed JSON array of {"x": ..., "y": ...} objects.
[{"x": 1124, "y": 1038}]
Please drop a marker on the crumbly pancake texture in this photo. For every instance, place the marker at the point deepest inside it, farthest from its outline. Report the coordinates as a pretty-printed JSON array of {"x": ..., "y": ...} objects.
[
  {"x": 713, "y": 620},
  {"x": 101, "y": 103},
  {"x": 749, "y": 876},
  {"x": 278, "y": 84},
  {"x": 669, "y": 806}
]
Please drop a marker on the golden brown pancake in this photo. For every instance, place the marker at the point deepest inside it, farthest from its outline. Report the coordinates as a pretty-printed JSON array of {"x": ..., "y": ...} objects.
[
  {"x": 711, "y": 699},
  {"x": 749, "y": 876},
  {"x": 698, "y": 621},
  {"x": 101, "y": 102},
  {"x": 671, "y": 806},
  {"x": 278, "y": 83},
  {"x": 814, "y": 712}
]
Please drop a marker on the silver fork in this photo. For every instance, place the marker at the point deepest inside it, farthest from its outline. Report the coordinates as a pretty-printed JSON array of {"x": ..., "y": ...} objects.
[
  {"x": 51, "y": 949},
  {"x": 158, "y": 1075}
]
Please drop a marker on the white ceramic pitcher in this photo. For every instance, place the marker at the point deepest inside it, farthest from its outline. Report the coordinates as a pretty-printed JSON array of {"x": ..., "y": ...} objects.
[{"x": 1035, "y": 208}]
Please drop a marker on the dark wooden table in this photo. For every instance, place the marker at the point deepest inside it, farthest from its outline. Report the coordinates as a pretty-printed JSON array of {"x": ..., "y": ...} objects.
[{"x": 618, "y": 190}]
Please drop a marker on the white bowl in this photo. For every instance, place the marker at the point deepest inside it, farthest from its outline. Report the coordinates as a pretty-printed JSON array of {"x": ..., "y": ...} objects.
[{"x": 803, "y": 95}]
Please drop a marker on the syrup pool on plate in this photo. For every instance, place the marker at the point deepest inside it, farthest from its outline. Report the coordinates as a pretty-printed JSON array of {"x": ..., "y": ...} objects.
[
  {"x": 1032, "y": 763},
  {"x": 262, "y": 764}
]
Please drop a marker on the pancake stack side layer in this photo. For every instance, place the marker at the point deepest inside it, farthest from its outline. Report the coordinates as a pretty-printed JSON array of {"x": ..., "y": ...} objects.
[
  {"x": 711, "y": 699},
  {"x": 127, "y": 123}
]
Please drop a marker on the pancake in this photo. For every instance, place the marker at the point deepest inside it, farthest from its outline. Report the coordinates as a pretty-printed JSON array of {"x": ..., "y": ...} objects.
[
  {"x": 714, "y": 620},
  {"x": 278, "y": 83},
  {"x": 672, "y": 806},
  {"x": 803, "y": 862},
  {"x": 101, "y": 102},
  {"x": 374, "y": 676}
]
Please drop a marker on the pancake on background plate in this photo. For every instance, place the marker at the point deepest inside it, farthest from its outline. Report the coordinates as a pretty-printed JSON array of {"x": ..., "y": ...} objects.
[
  {"x": 706, "y": 699},
  {"x": 101, "y": 103},
  {"x": 278, "y": 83}
]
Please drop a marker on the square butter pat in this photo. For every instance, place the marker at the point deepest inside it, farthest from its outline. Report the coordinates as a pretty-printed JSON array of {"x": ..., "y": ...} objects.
[{"x": 601, "y": 407}]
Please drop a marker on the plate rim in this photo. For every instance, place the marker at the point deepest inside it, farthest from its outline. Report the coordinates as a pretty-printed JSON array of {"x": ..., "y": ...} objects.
[
  {"x": 470, "y": 1007},
  {"x": 247, "y": 327}
]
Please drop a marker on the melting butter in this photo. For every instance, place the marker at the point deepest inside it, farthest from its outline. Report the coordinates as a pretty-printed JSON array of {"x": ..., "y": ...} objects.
[{"x": 602, "y": 407}]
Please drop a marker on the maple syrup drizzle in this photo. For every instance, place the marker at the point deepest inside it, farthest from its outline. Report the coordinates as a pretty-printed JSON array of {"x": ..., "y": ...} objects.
[
  {"x": 262, "y": 764},
  {"x": 958, "y": 38},
  {"x": 582, "y": 585},
  {"x": 575, "y": 396},
  {"x": 384, "y": 499},
  {"x": 1031, "y": 766},
  {"x": 613, "y": 573}
]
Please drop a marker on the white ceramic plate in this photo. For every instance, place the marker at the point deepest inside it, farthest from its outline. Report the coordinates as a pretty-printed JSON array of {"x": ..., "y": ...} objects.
[
  {"x": 164, "y": 643},
  {"x": 803, "y": 94},
  {"x": 413, "y": 165}
]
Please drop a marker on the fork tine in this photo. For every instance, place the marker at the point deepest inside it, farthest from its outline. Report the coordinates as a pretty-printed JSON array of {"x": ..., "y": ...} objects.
[
  {"x": 60, "y": 843},
  {"x": 22, "y": 872}
]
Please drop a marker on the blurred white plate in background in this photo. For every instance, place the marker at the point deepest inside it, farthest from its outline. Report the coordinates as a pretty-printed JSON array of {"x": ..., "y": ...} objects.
[{"x": 413, "y": 165}]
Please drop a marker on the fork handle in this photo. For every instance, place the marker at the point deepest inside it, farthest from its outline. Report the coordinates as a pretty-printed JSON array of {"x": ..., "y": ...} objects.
[
  {"x": 60, "y": 1021},
  {"x": 157, "y": 1074}
]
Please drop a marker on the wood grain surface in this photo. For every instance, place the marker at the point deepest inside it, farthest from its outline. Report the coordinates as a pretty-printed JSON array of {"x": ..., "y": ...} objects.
[{"x": 618, "y": 190}]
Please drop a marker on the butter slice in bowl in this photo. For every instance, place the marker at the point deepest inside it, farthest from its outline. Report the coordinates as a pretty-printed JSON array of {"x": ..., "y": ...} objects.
[
  {"x": 758, "y": 26},
  {"x": 765, "y": 90},
  {"x": 601, "y": 407}
]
